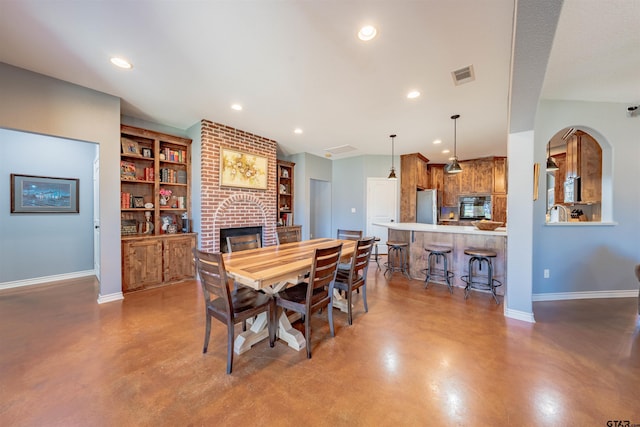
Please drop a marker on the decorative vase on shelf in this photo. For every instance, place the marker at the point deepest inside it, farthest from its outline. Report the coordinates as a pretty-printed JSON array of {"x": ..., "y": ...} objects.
[{"x": 164, "y": 200}]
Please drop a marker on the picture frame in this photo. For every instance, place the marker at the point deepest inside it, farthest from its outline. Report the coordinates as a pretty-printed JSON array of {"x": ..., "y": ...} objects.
[
  {"x": 244, "y": 170},
  {"x": 130, "y": 147},
  {"x": 166, "y": 221},
  {"x": 138, "y": 202},
  {"x": 44, "y": 194},
  {"x": 146, "y": 152}
]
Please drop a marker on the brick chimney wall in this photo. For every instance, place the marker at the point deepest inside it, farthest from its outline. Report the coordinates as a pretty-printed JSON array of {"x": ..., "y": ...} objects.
[{"x": 229, "y": 207}]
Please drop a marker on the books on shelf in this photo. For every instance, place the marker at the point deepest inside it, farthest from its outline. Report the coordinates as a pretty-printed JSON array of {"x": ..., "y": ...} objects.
[{"x": 174, "y": 155}]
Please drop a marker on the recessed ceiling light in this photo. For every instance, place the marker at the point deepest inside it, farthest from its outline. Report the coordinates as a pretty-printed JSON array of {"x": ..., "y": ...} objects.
[
  {"x": 446, "y": 152},
  {"x": 236, "y": 107},
  {"x": 367, "y": 32},
  {"x": 413, "y": 94},
  {"x": 297, "y": 130},
  {"x": 120, "y": 62},
  {"x": 437, "y": 141}
]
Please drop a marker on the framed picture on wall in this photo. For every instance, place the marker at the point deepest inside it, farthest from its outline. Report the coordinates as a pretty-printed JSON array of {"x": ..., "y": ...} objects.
[
  {"x": 239, "y": 169},
  {"x": 42, "y": 194}
]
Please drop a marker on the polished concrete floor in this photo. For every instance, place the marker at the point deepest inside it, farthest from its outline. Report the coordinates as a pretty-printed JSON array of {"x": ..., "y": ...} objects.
[{"x": 419, "y": 357}]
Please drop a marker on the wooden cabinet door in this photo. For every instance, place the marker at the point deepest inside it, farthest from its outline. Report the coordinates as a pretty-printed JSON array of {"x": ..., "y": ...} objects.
[
  {"x": 466, "y": 178},
  {"x": 141, "y": 264},
  {"x": 573, "y": 158},
  {"x": 500, "y": 175},
  {"x": 483, "y": 176},
  {"x": 178, "y": 258},
  {"x": 590, "y": 169},
  {"x": 559, "y": 175},
  {"x": 499, "y": 209},
  {"x": 436, "y": 176},
  {"x": 451, "y": 189}
]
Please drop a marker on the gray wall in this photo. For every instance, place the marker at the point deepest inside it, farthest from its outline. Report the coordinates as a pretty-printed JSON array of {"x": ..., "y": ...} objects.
[
  {"x": 35, "y": 103},
  {"x": 601, "y": 258},
  {"x": 39, "y": 245}
]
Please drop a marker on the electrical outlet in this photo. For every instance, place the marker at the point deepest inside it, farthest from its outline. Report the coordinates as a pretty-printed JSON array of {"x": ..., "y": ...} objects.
[
  {"x": 546, "y": 273},
  {"x": 353, "y": 210}
]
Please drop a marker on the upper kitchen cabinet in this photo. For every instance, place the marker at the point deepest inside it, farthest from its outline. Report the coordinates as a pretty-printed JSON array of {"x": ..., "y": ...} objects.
[
  {"x": 584, "y": 160},
  {"x": 500, "y": 175},
  {"x": 414, "y": 176},
  {"x": 483, "y": 176}
]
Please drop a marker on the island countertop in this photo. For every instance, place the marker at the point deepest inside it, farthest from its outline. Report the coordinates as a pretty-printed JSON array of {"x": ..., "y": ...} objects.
[{"x": 455, "y": 229}]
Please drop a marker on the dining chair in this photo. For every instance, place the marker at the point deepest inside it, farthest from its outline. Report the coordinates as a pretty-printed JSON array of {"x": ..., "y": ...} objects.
[
  {"x": 315, "y": 294},
  {"x": 356, "y": 277},
  {"x": 229, "y": 307},
  {"x": 287, "y": 236},
  {"x": 349, "y": 234},
  {"x": 242, "y": 243}
]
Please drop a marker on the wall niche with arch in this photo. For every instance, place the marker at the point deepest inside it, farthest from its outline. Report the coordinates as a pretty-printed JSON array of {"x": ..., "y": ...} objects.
[{"x": 574, "y": 177}]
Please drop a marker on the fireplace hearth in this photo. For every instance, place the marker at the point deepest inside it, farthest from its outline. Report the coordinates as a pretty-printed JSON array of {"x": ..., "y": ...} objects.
[{"x": 236, "y": 231}]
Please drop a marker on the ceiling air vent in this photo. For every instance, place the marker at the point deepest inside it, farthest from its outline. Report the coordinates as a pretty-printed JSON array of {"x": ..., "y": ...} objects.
[
  {"x": 340, "y": 149},
  {"x": 463, "y": 75}
]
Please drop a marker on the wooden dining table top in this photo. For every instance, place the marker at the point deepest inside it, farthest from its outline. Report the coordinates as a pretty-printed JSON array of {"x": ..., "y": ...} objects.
[{"x": 272, "y": 265}]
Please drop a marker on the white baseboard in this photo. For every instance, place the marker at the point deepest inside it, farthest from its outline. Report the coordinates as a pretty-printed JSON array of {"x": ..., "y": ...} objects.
[
  {"x": 632, "y": 293},
  {"x": 46, "y": 279},
  {"x": 519, "y": 315},
  {"x": 116, "y": 296}
]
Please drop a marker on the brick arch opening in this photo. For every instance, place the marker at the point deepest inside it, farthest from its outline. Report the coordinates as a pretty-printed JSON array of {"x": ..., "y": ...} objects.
[{"x": 242, "y": 210}]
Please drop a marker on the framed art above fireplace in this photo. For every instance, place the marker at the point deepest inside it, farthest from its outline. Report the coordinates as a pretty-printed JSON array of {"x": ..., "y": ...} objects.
[{"x": 245, "y": 170}]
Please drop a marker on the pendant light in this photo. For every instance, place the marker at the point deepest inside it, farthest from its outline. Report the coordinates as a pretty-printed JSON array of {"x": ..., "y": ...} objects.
[
  {"x": 392, "y": 173},
  {"x": 454, "y": 166},
  {"x": 551, "y": 165}
]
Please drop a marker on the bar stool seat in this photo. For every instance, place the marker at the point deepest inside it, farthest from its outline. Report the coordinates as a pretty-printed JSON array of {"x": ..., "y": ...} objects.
[
  {"x": 438, "y": 254},
  {"x": 398, "y": 252},
  {"x": 473, "y": 280}
]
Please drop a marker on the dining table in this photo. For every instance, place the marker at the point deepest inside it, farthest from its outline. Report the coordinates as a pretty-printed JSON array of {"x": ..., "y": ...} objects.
[{"x": 271, "y": 269}]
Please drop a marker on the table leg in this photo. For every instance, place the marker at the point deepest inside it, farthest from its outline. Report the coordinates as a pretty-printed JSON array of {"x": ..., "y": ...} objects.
[
  {"x": 259, "y": 331},
  {"x": 339, "y": 301}
]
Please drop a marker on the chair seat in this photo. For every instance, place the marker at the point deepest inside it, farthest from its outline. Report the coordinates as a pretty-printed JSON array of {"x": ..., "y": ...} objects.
[
  {"x": 243, "y": 299},
  {"x": 298, "y": 293},
  {"x": 481, "y": 252}
]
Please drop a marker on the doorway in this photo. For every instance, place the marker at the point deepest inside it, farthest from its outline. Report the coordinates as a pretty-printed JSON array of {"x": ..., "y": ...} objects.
[
  {"x": 320, "y": 209},
  {"x": 382, "y": 206}
]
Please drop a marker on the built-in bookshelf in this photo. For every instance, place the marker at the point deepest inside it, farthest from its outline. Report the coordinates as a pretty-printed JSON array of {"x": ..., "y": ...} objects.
[
  {"x": 285, "y": 193},
  {"x": 155, "y": 203},
  {"x": 154, "y": 176}
]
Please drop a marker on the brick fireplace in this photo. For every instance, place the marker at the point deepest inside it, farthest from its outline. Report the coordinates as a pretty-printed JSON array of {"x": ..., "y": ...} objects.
[{"x": 229, "y": 207}]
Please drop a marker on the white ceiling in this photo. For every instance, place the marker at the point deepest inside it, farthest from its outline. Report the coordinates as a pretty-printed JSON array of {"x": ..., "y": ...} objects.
[{"x": 299, "y": 64}]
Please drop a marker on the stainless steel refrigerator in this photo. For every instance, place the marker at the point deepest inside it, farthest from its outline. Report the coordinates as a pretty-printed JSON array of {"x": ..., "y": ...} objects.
[{"x": 427, "y": 206}]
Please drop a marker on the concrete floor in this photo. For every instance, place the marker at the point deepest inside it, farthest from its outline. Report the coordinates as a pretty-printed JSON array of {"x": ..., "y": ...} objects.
[{"x": 419, "y": 357}]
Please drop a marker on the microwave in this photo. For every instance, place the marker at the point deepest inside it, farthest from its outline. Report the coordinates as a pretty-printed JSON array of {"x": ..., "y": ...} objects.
[{"x": 474, "y": 207}]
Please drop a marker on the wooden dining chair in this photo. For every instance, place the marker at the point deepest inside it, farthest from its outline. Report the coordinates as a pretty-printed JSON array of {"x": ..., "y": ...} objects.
[
  {"x": 287, "y": 236},
  {"x": 242, "y": 243},
  {"x": 229, "y": 307},
  {"x": 315, "y": 294},
  {"x": 355, "y": 277},
  {"x": 349, "y": 234}
]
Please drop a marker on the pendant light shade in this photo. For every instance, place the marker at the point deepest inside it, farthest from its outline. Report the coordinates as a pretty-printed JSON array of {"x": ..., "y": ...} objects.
[
  {"x": 392, "y": 173},
  {"x": 454, "y": 165},
  {"x": 551, "y": 165}
]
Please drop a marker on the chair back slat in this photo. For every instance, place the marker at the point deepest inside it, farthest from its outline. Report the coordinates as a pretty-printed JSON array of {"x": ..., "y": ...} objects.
[
  {"x": 361, "y": 256},
  {"x": 323, "y": 272},
  {"x": 287, "y": 236},
  {"x": 213, "y": 277},
  {"x": 242, "y": 243},
  {"x": 349, "y": 234}
]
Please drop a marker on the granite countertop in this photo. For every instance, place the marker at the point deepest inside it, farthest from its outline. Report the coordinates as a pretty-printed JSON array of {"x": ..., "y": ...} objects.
[{"x": 456, "y": 229}]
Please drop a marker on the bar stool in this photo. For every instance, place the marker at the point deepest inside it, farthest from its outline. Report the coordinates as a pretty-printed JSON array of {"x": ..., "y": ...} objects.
[
  {"x": 438, "y": 254},
  {"x": 397, "y": 251},
  {"x": 477, "y": 281}
]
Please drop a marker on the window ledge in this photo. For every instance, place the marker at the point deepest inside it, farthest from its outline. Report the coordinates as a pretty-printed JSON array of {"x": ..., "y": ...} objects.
[{"x": 581, "y": 224}]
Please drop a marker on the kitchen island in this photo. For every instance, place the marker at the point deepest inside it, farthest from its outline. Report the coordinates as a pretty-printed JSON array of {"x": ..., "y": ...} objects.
[{"x": 458, "y": 238}]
